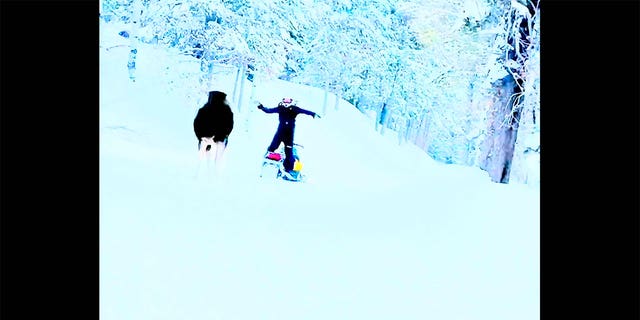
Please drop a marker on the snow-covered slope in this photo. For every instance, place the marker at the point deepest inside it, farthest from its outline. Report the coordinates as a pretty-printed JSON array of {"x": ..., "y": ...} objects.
[{"x": 380, "y": 232}]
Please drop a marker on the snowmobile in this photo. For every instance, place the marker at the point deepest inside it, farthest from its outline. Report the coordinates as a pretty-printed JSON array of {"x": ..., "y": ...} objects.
[{"x": 275, "y": 160}]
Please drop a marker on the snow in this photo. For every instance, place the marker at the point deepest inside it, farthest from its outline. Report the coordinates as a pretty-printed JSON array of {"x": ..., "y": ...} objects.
[{"x": 381, "y": 231}]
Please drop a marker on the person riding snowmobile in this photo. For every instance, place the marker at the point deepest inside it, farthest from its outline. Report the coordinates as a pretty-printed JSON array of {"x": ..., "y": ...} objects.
[{"x": 287, "y": 112}]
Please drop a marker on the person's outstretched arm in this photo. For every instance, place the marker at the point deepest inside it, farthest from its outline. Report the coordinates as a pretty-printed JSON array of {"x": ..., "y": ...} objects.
[
  {"x": 307, "y": 112},
  {"x": 267, "y": 110}
]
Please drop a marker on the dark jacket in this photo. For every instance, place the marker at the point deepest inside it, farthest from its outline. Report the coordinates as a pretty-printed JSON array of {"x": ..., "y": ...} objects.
[
  {"x": 287, "y": 116},
  {"x": 215, "y": 118}
]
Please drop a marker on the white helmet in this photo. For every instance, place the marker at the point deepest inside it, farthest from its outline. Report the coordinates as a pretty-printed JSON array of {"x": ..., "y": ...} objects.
[{"x": 287, "y": 102}]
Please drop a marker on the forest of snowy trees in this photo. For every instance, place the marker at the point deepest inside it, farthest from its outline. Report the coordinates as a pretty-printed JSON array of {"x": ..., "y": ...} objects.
[{"x": 458, "y": 78}]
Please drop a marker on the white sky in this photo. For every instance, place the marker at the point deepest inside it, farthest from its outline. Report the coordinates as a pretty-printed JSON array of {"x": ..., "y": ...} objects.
[{"x": 381, "y": 231}]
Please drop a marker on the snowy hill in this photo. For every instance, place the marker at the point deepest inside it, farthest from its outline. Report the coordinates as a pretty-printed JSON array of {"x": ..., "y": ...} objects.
[{"x": 381, "y": 231}]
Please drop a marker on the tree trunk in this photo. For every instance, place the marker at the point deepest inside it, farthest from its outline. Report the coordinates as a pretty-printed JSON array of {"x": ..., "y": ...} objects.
[
  {"x": 498, "y": 147},
  {"x": 382, "y": 117},
  {"x": 133, "y": 41},
  {"x": 326, "y": 98},
  {"x": 402, "y": 128},
  {"x": 235, "y": 84},
  {"x": 526, "y": 159},
  {"x": 427, "y": 132},
  {"x": 242, "y": 81},
  {"x": 408, "y": 129},
  {"x": 421, "y": 135},
  {"x": 385, "y": 122}
]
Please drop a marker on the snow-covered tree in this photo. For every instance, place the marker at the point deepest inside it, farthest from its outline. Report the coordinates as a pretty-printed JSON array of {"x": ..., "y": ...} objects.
[{"x": 427, "y": 68}]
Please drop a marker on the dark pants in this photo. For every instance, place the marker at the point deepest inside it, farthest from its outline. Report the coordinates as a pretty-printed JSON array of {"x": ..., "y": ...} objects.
[{"x": 284, "y": 134}]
